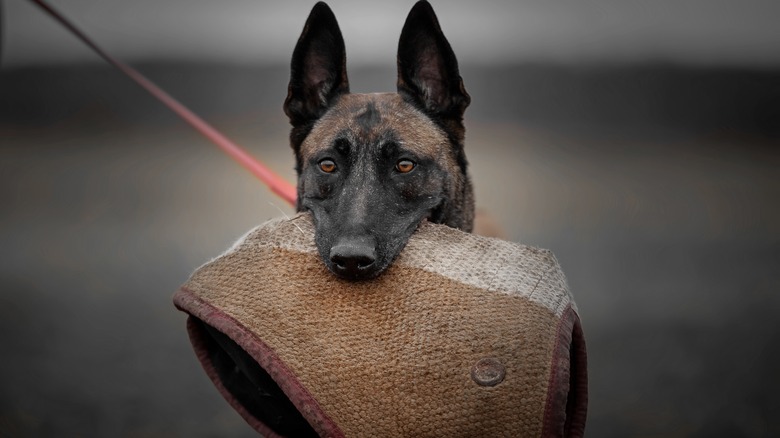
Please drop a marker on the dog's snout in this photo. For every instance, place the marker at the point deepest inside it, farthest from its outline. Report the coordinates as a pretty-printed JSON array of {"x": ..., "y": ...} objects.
[{"x": 354, "y": 258}]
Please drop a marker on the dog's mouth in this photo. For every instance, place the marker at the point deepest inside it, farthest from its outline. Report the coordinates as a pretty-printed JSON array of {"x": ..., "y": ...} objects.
[{"x": 364, "y": 257}]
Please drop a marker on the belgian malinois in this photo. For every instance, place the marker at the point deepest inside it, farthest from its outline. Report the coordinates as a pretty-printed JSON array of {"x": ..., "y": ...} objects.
[{"x": 372, "y": 167}]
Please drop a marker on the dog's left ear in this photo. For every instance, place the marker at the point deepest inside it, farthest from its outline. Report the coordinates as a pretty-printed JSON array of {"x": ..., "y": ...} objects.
[
  {"x": 318, "y": 71},
  {"x": 428, "y": 73}
]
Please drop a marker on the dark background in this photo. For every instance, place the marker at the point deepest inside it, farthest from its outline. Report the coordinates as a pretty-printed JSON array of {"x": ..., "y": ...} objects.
[{"x": 643, "y": 151}]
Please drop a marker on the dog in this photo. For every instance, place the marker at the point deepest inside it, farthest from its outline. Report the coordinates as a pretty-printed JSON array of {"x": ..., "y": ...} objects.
[{"x": 372, "y": 167}]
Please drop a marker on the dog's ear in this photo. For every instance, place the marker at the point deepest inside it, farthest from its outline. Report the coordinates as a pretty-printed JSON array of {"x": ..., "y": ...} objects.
[
  {"x": 318, "y": 71},
  {"x": 427, "y": 68}
]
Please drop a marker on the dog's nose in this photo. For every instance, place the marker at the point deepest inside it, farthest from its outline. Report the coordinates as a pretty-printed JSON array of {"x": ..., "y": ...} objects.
[{"x": 353, "y": 257}]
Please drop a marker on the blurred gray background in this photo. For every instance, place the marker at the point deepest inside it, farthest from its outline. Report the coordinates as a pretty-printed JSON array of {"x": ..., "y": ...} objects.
[{"x": 637, "y": 140}]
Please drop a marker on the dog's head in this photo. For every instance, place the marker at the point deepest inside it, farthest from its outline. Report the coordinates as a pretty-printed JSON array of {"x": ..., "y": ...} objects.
[{"x": 372, "y": 167}]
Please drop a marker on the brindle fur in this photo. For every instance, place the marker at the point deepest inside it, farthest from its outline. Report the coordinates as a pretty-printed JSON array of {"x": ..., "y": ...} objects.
[{"x": 366, "y": 210}]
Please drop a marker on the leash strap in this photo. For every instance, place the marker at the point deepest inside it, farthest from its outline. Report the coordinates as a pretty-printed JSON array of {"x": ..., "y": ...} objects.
[{"x": 275, "y": 183}]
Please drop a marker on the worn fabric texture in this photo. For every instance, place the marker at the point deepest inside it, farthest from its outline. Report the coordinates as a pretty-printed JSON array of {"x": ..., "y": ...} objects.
[{"x": 462, "y": 336}]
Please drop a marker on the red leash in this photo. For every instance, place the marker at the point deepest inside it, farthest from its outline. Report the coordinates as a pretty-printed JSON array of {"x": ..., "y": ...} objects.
[{"x": 277, "y": 184}]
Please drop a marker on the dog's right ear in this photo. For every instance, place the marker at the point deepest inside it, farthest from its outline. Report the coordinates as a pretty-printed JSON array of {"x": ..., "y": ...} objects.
[{"x": 318, "y": 72}]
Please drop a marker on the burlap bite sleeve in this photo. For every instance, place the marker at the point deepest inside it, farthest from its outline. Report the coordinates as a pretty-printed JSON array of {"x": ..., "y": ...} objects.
[{"x": 462, "y": 336}]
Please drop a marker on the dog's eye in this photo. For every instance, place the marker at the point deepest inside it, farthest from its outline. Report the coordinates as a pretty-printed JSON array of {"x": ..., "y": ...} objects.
[
  {"x": 327, "y": 166},
  {"x": 404, "y": 166}
]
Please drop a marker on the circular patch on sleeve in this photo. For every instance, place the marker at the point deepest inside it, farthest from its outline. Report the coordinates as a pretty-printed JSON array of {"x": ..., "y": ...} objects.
[{"x": 488, "y": 372}]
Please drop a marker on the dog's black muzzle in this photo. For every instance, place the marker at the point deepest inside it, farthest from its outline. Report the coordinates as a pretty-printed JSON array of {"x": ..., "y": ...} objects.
[{"x": 354, "y": 257}]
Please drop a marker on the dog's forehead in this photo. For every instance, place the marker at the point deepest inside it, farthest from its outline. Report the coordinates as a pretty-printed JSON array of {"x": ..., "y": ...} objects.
[{"x": 373, "y": 119}]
